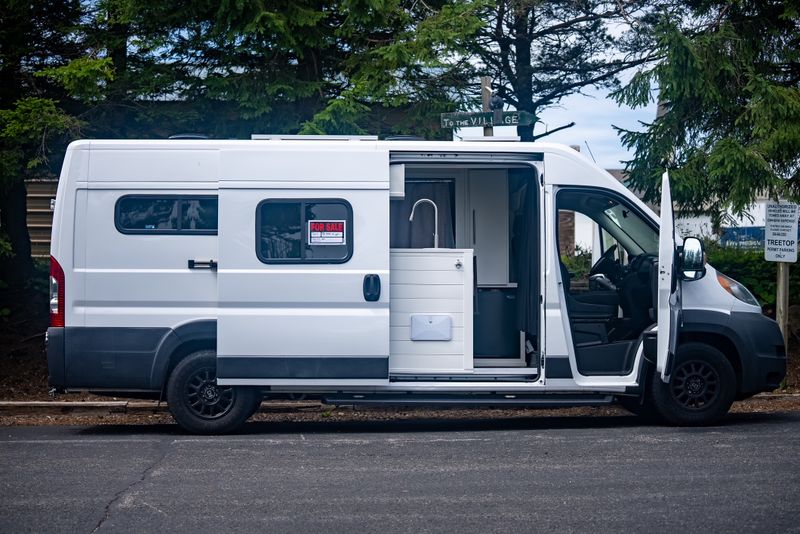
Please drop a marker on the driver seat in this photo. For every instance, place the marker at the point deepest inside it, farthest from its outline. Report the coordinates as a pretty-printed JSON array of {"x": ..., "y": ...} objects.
[{"x": 594, "y": 306}]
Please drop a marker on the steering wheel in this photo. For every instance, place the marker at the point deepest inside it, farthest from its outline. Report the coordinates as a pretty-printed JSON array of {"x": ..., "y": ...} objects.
[{"x": 605, "y": 264}]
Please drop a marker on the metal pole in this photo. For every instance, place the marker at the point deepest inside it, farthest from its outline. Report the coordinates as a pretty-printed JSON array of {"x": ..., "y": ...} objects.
[
  {"x": 486, "y": 94},
  {"x": 782, "y": 300}
]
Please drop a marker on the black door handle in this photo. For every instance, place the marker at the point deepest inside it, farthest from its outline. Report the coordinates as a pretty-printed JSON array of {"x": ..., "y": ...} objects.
[
  {"x": 210, "y": 264},
  {"x": 372, "y": 287}
]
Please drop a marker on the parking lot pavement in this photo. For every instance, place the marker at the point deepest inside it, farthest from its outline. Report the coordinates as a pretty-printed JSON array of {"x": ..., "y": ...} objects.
[{"x": 566, "y": 474}]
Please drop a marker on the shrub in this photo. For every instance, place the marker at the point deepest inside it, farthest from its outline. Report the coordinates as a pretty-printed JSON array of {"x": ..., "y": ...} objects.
[
  {"x": 578, "y": 264},
  {"x": 748, "y": 267}
]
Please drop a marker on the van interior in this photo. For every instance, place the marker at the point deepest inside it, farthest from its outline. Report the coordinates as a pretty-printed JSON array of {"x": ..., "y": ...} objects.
[
  {"x": 494, "y": 212},
  {"x": 610, "y": 303}
]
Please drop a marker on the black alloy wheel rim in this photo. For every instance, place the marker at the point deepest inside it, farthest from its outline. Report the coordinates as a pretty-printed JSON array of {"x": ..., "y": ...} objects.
[
  {"x": 695, "y": 385},
  {"x": 205, "y": 398}
]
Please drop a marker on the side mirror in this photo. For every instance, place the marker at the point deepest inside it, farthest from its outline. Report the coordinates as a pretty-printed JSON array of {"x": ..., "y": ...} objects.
[{"x": 693, "y": 261}]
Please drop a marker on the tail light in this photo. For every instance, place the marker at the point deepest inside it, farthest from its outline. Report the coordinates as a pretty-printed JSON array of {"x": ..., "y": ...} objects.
[{"x": 56, "y": 294}]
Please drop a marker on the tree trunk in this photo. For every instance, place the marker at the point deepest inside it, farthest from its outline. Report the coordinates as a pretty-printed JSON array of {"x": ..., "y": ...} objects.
[
  {"x": 523, "y": 68},
  {"x": 14, "y": 221}
]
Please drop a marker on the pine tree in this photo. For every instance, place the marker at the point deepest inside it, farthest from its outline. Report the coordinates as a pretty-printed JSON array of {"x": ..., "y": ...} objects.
[{"x": 728, "y": 83}]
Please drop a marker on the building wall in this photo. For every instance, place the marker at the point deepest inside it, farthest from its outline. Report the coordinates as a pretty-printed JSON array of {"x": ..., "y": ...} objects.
[{"x": 40, "y": 215}]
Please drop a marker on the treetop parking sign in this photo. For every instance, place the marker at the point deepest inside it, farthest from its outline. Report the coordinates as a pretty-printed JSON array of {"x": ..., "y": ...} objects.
[{"x": 780, "y": 239}]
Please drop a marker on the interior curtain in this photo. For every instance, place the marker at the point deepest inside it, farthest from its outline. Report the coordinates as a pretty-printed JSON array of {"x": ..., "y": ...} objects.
[
  {"x": 419, "y": 234},
  {"x": 524, "y": 253}
]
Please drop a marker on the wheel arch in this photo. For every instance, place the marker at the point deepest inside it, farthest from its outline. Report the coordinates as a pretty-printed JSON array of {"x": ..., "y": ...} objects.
[
  {"x": 714, "y": 329},
  {"x": 720, "y": 342},
  {"x": 179, "y": 343}
]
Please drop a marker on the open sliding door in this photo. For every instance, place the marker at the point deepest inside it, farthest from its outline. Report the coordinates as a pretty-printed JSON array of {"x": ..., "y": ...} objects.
[{"x": 303, "y": 281}]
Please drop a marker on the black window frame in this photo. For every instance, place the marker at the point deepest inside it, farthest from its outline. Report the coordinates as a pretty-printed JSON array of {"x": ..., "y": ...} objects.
[
  {"x": 163, "y": 231},
  {"x": 304, "y": 230}
]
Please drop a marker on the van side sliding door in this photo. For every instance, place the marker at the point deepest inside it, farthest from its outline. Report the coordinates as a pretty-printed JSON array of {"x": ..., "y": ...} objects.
[{"x": 303, "y": 282}]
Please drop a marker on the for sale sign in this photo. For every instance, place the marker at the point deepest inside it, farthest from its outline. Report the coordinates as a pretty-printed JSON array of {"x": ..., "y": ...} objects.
[
  {"x": 326, "y": 232},
  {"x": 780, "y": 236}
]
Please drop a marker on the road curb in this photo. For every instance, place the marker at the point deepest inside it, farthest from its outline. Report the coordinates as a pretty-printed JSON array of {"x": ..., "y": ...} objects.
[
  {"x": 146, "y": 407},
  {"x": 112, "y": 407}
]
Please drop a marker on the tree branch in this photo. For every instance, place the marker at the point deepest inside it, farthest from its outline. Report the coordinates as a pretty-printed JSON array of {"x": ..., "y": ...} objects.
[{"x": 554, "y": 130}]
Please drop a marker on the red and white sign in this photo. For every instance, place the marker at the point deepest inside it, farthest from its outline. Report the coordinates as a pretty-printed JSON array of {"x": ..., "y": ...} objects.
[{"x": 326, "y": 232}]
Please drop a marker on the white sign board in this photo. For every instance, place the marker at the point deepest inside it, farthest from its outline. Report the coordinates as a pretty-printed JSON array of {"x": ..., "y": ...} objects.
[
  {"x": 780, "y": 236},
  {"x": 326, "y": 232}
]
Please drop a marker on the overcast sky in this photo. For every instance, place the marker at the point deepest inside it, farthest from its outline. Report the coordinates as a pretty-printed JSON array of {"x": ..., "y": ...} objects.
[{"x": 593, "y": 116}]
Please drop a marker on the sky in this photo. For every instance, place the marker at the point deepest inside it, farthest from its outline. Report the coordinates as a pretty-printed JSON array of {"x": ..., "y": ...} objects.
[{"x": 593, "y": 116}]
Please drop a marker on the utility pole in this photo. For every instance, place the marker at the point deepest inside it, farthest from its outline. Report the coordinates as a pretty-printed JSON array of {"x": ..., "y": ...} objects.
[{"x": 486, "y": 95}]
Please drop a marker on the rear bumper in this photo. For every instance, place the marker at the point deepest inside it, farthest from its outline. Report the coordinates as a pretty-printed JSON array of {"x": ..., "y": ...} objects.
[{"x": 54, "y": 340}]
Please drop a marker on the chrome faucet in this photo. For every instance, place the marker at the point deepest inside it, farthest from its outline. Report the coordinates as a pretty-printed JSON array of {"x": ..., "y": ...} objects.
[{"x": 435, "y": 219}]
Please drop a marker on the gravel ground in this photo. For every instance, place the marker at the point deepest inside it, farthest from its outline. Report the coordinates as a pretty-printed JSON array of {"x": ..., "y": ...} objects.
[{"x": 312, "y": 411}]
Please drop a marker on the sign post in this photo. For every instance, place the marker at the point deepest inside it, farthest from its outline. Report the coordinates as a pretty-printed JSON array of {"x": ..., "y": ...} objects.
[
  {"x": 486, "y": 95},
  {"x": 780, "y": 245}
]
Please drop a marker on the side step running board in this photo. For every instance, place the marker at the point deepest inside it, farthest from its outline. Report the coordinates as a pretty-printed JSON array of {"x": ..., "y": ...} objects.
[{"x": 413, "y": 399}]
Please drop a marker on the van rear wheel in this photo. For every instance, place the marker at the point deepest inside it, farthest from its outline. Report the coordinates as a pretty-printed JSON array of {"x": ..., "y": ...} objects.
[
  {"x": 701, "y": 389},
  {"x": 201, "y": 406}
]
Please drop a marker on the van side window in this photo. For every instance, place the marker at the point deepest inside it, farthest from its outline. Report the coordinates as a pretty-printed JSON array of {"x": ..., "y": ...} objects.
[
  {"x": 304, "y": 231},
  {"x": 166, "y": 214}
]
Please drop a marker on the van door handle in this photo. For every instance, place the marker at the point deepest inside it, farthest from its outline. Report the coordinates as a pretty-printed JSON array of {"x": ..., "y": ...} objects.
[
  {"x": 210, "y": 264},
  {"x": 372, "y": 287}
]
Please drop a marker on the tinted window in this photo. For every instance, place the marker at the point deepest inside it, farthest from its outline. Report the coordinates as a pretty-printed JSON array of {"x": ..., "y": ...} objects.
[
  {"x": 199, "y": 214},
  {"x": 281, "y": 230},
  {"x": 166, "y": 214},
  {"x": 304, "y": 231}
]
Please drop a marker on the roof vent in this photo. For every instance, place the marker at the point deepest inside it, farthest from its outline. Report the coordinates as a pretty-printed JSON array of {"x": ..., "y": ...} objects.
[
  {"x": 279, "y": 137},
  {"x": 404, "y": 138},
  {"x": 188, "y": 136}
]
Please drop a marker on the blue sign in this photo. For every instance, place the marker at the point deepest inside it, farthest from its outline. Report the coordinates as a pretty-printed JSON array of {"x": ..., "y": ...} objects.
[{"x": 744, "y": 237}]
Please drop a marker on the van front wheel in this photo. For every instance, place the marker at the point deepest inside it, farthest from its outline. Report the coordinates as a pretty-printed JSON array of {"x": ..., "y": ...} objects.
[
  {"x": 201, "y": 406},
  {"x": 701, "y": 389}
]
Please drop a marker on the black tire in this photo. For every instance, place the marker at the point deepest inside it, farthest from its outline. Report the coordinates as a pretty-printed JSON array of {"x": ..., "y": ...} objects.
[
  {"x": 199, "y": 405},
  {"x": 701, "y": 389}
]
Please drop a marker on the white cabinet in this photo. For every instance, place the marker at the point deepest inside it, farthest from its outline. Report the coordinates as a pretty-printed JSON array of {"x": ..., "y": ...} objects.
[{"x": 433, "y": 283}]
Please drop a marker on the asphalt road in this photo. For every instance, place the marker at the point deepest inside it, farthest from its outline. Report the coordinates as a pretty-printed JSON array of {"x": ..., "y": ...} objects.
[{"x": 601, "y": 474}]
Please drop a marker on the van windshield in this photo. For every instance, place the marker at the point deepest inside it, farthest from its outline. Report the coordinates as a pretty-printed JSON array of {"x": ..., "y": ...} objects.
[
  {"x": 618, "y": 219},
  {"x": 627, "y": 221}
]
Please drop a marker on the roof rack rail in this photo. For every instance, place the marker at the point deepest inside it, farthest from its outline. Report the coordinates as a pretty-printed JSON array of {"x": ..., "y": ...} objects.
[
  {"x": 495, "y": 138},
  {"x": 281, "y": 137}
]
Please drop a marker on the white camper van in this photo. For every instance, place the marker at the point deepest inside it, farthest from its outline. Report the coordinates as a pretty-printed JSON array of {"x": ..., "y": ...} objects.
[{"x": 219, "y": 273}]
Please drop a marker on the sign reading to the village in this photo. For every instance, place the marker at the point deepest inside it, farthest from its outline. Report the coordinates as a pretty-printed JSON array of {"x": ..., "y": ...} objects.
[
  {"x": 487, "y": 118},
  {"x": 780, "y": 236}
]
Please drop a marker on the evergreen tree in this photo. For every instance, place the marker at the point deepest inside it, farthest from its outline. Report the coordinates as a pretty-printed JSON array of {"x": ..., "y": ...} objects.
[
  {"x": 539, "y": 52},
  {"x": 728, "y": 85},
  {"x": 33, "y": 36}
]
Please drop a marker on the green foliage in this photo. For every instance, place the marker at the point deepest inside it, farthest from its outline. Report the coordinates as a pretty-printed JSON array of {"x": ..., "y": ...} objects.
[
  {"x": 749, "y": 268},
  {"x": 729, "y": 93},
  {"x": 5, "y": 247},
  {"x": 578, "y": 264},
  {"x": 27, "y": 128},
  {"x": 84, "y": 78},
  {"x": 39, "y": 280}
]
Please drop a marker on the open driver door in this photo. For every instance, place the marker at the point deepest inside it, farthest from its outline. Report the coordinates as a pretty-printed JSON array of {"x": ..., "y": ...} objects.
[{"x": 668, "y": 304}]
